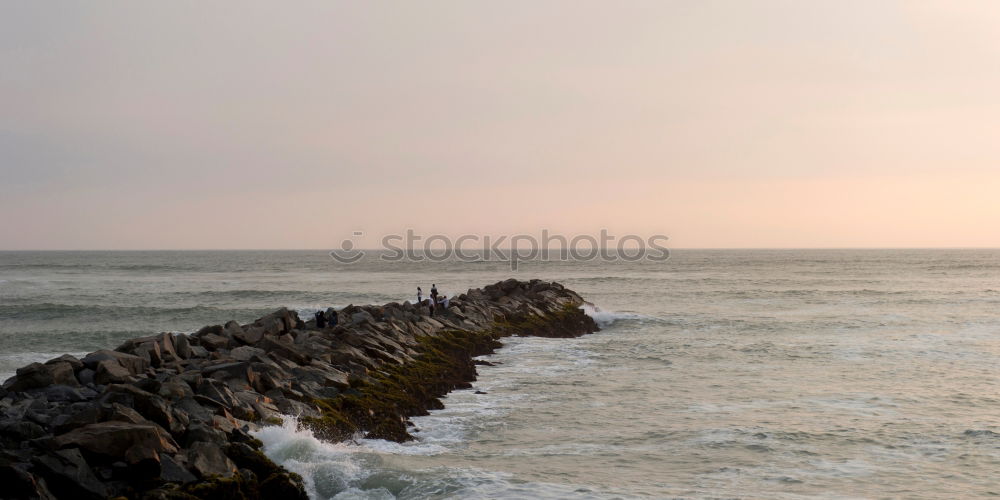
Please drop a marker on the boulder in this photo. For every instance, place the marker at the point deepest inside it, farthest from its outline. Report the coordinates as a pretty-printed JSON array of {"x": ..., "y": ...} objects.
[
  {"x": 134, "y": 364},
  {"x": 207, "y": 459},
  {"x": 278, "y": 322},
  {"x": 62, "y": 373},
  {"x": 175, "y": 388},
  {"x": 150, "y": 406},
  {"x": 362, "y": 317},
  {"x": 21, "y": 430},
  {"x": 120, "y": 413},
  {"x": 118, "y": 439},
  {"x": 86, "y": 376},
  {"x": 168, "y": 350},
  {"x": 69, "y": 476},
  {"x": 250, "y": 335},
  {"x": 63, "y": 393},
  {"x": 285, "y": 350},
  {"x": 245, "y": 353},
  {"x": 37, "y": 375},
  {"x": 199, "y": 431},
  {"x": 213, "y": 342},
  {"x": 150, "y": 351},
  {"x": 215, "y": 393},
  {"x": 173, "y": 472},
  {"x": 19, "y": 483},
  {"x": 67, "y": 358},
  {"x": 283, "y": 486},
  {"x": 198, "y": 351},
  {"x": 183, "y": 346},
  {"x": 109, "y": 371}
]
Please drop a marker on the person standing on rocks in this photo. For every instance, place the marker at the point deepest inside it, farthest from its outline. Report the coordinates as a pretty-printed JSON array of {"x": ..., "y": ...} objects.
[
  {"x": 320, "y": 320},
  {"x": 434, "y": 293},
  {"x": 420, "y": 295}
]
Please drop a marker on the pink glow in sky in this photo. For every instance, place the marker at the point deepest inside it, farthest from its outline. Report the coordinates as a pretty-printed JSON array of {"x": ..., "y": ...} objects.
[{"x": 720, "y": 124}]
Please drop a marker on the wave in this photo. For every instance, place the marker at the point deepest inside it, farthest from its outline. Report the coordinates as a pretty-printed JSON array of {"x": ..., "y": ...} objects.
[
  {"x": 103, "y": 267},
  {"x": 359, "y": 469},
  {"x": 326, "y": 468},
  {"x": 52, "y": 311},
  {"x": 607, "y": 318}
]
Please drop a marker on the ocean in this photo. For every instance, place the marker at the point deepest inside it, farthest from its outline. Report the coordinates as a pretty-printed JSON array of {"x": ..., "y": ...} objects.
[{"x": 717, "y": 373}]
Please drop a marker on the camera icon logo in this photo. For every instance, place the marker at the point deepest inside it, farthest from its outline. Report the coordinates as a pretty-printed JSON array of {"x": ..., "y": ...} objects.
[{"x": 347, "y": 253}]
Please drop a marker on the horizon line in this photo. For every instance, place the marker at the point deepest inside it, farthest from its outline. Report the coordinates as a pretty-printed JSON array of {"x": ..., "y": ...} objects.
[{"x": 473, "y": 250}]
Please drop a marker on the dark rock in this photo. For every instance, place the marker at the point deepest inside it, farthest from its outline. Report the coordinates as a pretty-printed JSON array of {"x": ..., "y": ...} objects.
[
  {"x": 119, "y": 413},
  {"x": 194, "y": 410},
  {"x": 208, "y": 330},
  {"x": 174, "y": 389},
  {"x": 199, "y": 431},
  {"x": 69, "y": 476},
  {"x": 21, "y": 430},
  {"x": 148, "y": 405},
  {"x": 135, "y": 442},
  {"x": 67, "y": 358},
  {"x": 168, "y": 349},
  {"x": 182, "y": 346},
  {"x": 207, "y": 459},
  {"x": 245, "y": 353},
  {"x": 109, "y": 371},
  {"x": 283, "y": 486},
  {"x": 250, "y": 335},
  {"x": 18, "y": 483},
  {"x": 284, "y": 350},
  {"x": 134, "y": 364},
  {"x": 213, "y": 342},
  {"x": 86, "y": 376},
  {"x": 376, "y": 368},
  {"x": 362, "y": 317},
  {"x": 173, "y": 472},
  {"x": 37, "y": 375},
  {"x": 215, "y": 393},
  {"x": 62, "y": 393},
  {"x": 82, "y": 415},
  {"x": 198, "y": 351},
  {"x": 150, "y": 351}
]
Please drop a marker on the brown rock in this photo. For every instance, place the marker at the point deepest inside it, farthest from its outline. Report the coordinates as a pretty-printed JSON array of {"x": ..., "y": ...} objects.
[
  {"x": 116, "y": 439},
  {"x": 207, "y": 459},
  {"x": 109, "y": 371}
]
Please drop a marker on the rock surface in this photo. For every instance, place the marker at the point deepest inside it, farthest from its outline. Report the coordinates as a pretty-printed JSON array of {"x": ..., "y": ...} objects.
[{"x": 168, "y": 416}]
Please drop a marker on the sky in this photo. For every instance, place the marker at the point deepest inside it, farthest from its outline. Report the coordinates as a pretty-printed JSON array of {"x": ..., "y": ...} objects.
[{"x": 721, "y": 124}]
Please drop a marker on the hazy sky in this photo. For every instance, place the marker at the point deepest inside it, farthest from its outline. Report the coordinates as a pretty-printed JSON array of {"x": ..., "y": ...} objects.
[{"x": 290, "y": 125}]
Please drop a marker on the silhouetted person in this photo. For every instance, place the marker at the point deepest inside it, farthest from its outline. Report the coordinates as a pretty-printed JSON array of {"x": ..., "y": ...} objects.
[
  {"x": 434, "y": 293},
  {"x": 333, "y": 319},
  {"x": 320, "y": 319}
]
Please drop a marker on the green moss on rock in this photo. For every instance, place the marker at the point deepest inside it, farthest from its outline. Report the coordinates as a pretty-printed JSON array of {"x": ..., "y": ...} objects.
[{"x": 380, "y": 408}]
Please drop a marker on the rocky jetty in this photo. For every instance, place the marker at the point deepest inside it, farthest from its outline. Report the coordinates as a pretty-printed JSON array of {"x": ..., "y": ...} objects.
[{"x": 170, "y": 416}]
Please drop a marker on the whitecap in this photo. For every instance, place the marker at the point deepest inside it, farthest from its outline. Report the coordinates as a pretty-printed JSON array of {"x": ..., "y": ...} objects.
[{"x": 607, "y": 318}]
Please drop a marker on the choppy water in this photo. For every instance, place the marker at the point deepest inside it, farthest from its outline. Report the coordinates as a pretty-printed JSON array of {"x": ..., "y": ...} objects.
[{"x": 758, "y": 374}]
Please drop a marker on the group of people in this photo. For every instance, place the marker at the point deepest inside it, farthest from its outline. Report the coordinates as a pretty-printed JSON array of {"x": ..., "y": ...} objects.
[
  {"x": 321, "y": 320},
  {"x": 434, "y": 302},
  {"x": 435, "y": 299}
]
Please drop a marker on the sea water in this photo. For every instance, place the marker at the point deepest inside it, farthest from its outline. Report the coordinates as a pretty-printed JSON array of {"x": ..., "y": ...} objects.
[{"x": 717, "y": 374}]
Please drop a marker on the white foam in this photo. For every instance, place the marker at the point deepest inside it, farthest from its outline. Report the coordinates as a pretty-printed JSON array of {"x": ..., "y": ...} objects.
[
  {"x": 325, "y": 467},
  {"x": 606, "y": 318}
]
